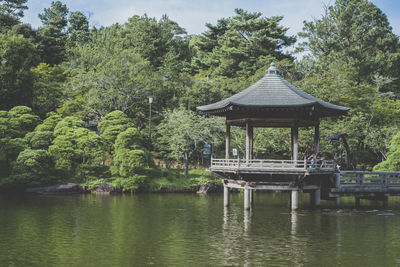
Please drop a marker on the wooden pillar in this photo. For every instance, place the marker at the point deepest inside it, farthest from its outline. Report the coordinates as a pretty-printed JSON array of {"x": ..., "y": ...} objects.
[
  {"x": 227, "y": 141},
  {"x": 295, "y": 143},
  {"x": 246, "y": 199},
  {"x": 226, "y": 196},
  {"x": 251, "y": 130},
  {"x": 251, "y": 196},
  {"x": 316, "y": 139},
  {"x": 249, "y": 141},
  {"x": 294, "y": 203}
]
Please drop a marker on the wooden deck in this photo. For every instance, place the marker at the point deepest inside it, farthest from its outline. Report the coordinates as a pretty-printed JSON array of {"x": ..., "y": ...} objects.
[
  {"x": 261, "y": 166},
  {"x": 366, "y": 184}
]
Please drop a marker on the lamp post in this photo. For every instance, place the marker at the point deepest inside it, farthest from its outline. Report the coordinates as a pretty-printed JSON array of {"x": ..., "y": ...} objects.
[{"x": 150, "y": 101}]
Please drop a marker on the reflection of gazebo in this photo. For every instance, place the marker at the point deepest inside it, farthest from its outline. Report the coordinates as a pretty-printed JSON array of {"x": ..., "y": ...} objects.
[{"x": 271, "y": 102}]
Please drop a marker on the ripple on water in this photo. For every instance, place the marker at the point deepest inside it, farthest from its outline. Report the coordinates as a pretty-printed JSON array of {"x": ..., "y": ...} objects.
[{"x": 186, "y": 230}]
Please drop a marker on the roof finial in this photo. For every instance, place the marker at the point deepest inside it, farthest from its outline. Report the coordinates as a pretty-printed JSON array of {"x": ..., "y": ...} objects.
[{"x": 272, "y": 69}]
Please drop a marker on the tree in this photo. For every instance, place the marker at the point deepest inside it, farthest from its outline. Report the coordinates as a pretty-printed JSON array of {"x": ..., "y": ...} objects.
[
  {"x": 75, "y": 145},
  {"x": 338, "y": 84},
  {"x": 130, "y": 155},
  {"x": 392, "y": 162},
  {"x": 10, "y": 13},
  {"x": 67, "y": 124},
  {"x": 91, "y": 146},
  {"x": 78, "y": 30},
  {"x": 53, "y": 34},
  {"x": 372, "y": 120},
  {"x": 239, "y": 45},
  {"x": 357, "y": 33},
  {"x": 49, "y": 123},
  {"x": 25, "y": 30},
  {"x": 18, "y": 56},
  {"x": 39, "y": 139},
  {"x": 12, "y": 149},
  {"x": 122, "y": 65},
  {"x": 47, "y": 88},
  {"x": 121, "y": 80},
  {"x": 3, "y": 128},
  {"x": 155, "y": 40},
  {"x": 14, "y": 125},
  {"x": 182, "y": 133},
  {"x": 21, "y": 120},
  {"x": 32, "y": 168},
  {"x": 113, "y": 124}
]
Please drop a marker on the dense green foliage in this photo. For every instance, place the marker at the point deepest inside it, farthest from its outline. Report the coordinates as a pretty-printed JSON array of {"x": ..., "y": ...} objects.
[
  {"x": 74, "y": 99},
  {"x": 182, "y": 133},
  {"x": 18, "y": 56},
  {"x": 392, "y": 162},
  {"x": 10, "y": 13},
  {"x": 357, "y": 34},
  {"x": 47, "y": 88},
  {"x": 239, "y": 45},
  {"x": 53, "y": 34},
  {"x": 32, "y": 167}
]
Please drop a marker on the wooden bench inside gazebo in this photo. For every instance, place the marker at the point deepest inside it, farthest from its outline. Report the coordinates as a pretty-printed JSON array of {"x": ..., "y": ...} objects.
[{"x": 272, "y": 102}]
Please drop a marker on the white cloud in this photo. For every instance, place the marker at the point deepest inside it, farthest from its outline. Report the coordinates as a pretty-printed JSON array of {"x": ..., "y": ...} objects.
[{"x": 194, "y": 14}]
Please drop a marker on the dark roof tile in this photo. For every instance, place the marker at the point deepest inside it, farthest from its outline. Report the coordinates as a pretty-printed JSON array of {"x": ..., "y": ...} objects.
[{"x": 272, "y": 91}]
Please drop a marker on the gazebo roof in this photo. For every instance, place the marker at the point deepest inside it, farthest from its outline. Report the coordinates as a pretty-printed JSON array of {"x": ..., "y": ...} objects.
[{"x": 272, "y": 93}]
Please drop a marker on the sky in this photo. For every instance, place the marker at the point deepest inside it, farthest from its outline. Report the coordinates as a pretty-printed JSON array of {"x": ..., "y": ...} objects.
[{"x": 194, "y": 14}]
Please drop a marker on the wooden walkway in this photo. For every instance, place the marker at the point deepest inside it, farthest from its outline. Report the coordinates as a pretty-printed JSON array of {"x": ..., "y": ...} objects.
[
  {"x": 302, "y": 175},
  {"x": 366, "y": 184}
]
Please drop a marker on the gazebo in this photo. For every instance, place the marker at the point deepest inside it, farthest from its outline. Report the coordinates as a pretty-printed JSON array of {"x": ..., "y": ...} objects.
[{"x": 272, "y": 102}]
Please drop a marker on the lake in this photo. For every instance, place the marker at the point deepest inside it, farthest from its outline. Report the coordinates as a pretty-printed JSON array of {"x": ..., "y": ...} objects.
[{"x": 193, "y": 230}]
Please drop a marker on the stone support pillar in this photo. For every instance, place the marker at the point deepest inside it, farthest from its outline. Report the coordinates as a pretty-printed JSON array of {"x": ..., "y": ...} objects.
[
  {"x": 226, "y": 196},
  {"x": 337, "y": 201},
  {"x": 246, "y": 199},
  {"x": 317, "y": 197},
  {"x": 294, "y": 203}
]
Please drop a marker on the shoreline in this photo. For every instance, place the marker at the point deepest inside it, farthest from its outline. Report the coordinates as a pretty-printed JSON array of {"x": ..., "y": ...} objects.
[{"x": 154, "y": 180}]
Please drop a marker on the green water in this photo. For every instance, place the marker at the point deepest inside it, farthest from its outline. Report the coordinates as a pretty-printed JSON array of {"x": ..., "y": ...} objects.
[{"x": 191, "y": 230}]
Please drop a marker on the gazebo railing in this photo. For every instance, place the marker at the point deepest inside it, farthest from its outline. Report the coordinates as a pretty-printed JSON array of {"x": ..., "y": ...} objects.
[{"x": 272, "y": 164}]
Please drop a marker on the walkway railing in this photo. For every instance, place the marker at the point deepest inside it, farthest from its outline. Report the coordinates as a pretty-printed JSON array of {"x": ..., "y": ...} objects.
[
  {"x": 272, "y": 164},
  {"x": 367, "y": 179}
]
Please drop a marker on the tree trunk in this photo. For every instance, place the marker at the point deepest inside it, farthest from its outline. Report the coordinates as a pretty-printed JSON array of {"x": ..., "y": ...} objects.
[
  {"x": 349, "y": 162},
  {"x": 186, "y": 165}
]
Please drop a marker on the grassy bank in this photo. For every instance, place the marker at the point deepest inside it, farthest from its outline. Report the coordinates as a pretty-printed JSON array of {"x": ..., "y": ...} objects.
[{"x": 159, "y": 180}]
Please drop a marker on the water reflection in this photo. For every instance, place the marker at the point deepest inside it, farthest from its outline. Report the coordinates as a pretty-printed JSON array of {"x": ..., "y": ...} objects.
[
  {"x": 187, "y": 230},
  {"x": 338, "y": 238},
  {"x": 293, "y": 223},
  {"x": 247, "y": 220}
]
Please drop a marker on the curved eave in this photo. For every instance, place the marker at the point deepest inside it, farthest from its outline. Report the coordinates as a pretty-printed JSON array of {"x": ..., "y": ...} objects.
[
  {"x": 215, "y": 112},
  {"x": 320, "y": 109}
]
